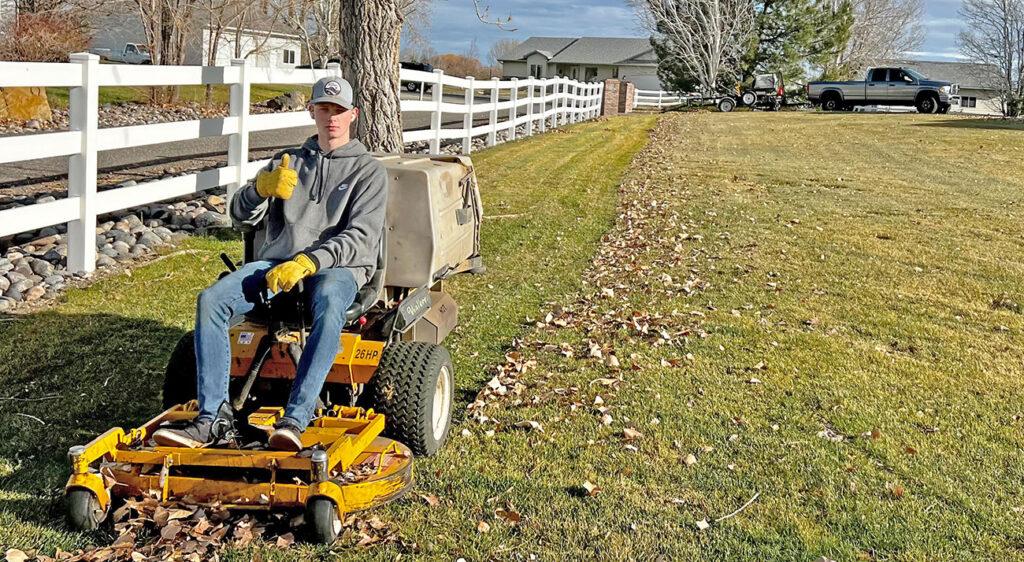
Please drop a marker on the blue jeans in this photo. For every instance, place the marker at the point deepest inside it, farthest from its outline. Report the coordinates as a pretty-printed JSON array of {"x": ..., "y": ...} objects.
[{"x": 330, "y": 292}]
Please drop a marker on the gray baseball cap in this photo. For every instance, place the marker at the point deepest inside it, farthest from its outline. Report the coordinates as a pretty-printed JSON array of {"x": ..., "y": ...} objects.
[{"x": 333, "y": 89}]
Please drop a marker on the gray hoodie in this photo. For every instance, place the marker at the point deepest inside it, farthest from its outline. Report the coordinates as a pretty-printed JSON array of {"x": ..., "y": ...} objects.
[{"x": 335, "y": 215}]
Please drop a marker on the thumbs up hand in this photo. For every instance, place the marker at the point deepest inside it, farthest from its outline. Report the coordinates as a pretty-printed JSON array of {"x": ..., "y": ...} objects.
[{"x": 279, "y": 182}]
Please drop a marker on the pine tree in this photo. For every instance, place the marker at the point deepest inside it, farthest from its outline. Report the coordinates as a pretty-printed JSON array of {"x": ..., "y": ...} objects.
[{"x": 795, "y": 37}]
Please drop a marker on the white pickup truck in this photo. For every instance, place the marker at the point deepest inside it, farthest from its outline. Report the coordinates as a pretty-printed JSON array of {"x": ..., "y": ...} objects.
[
  {"x": 884, "y": 86},
  {"x": 132, "y": 53}
]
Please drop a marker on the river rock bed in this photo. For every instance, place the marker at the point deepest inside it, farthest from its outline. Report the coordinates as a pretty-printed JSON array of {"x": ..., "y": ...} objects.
[{"x": 34, "y": 268}]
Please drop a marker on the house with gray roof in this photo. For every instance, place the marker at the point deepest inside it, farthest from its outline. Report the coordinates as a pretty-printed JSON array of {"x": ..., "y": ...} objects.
[
  {"x": 979, "y": 83},
  {"x": 588, "y": 59}
]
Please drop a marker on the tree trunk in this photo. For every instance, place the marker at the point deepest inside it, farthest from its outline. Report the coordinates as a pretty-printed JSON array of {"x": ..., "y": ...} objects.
[{"x": 371, "y": 30}]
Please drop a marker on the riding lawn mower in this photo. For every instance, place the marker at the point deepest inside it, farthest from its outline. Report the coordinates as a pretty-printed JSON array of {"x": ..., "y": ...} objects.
[{"x": 387, "y": 398}]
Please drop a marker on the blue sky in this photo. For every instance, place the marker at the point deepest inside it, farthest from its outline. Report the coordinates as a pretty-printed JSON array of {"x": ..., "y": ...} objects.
[{"x": 454, "y": 23}]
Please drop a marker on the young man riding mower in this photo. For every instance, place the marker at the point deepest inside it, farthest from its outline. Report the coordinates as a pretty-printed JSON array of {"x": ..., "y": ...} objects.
[{"x": 323, "y": 207}]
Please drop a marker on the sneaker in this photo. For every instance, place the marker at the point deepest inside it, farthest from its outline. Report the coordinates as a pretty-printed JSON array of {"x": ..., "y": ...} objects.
[
  {"x": 287, "y": 436},
  {"x": 200, "y": 432},
  {"x": 194, "y": 435}
]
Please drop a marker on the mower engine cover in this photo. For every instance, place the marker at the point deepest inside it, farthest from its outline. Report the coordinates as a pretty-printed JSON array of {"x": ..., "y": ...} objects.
[{"x": 433, "y": 219}]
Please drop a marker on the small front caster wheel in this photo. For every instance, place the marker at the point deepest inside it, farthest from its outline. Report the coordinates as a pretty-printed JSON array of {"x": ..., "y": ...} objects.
[
  {"x": 83, "y": 510},
  {"x": 322, "y": 520}
]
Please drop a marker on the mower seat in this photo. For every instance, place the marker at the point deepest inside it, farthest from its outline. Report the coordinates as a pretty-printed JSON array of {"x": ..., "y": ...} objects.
[{"x": 285, "y": 308}]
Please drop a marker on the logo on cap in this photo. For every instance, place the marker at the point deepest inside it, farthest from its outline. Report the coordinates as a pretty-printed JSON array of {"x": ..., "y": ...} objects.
[{"x": 332, "y": 88}]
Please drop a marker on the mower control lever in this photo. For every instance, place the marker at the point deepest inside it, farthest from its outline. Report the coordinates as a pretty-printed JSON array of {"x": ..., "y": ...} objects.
[{"x": 227, "y": 261}]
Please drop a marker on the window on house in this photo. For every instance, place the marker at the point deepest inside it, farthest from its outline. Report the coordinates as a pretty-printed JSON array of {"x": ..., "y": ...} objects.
[
  {"x": 289, "y": 56},
  {"x": 589, "y": 73},
  {"x": 535, "y": 70},
  {"x": 615, "y": 72},
  {"x": 969, "y": 101},
  {"x": 575, "y": 73}
]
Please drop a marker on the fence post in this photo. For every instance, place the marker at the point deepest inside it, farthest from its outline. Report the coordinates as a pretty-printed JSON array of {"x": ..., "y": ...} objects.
[
  {"x": 238, "y": 145},
  {"x": 660, "y": 93},
  {"x": 555, "y": 102},
  {"x": 529, "y": 106},
  {"x": 513, "y": 112},
  {"x": 492, "y": 136},
  {"x": 435, "y": 116},
  {"x": 467, "y": 121},
  {"x": 544, "y": 105},
  {"x": 84, "y": 116}
]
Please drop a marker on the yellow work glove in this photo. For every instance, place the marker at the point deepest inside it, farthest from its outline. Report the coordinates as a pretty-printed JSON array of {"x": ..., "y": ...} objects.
[
  {"x": 279, "y": 182},
  {"x": 286, "y": 275}
]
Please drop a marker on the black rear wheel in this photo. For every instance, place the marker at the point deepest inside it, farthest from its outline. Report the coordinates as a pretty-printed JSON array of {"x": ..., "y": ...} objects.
[
  {"x": 414, "y": 386},
  {"x": 180, "y": 376}
]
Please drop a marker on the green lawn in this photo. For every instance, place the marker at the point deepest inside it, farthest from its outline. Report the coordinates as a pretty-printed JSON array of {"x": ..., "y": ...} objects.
[
  {"x": 822, "y": 311},
  {"x": 97, "y": 359}
]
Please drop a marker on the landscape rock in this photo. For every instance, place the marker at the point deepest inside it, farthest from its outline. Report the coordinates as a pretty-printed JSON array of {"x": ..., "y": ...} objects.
[
  {"x": 103, "y": 260},
  {"x": 120, "y": 248},
  {"x": 13, "y": 294},
  {"x": 35, "y": 293},
  {"x": 150, "y": 238},
  {"x": 42, "y": 267},
  {"x": 212, "y": 219}
]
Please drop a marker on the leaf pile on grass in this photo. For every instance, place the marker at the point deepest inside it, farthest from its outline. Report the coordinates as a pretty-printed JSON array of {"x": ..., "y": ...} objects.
[{"x": 187, "y": 531}]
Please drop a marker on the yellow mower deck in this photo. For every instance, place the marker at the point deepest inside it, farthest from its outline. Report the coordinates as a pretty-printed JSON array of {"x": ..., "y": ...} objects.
[{"x": 350, "y": 463}]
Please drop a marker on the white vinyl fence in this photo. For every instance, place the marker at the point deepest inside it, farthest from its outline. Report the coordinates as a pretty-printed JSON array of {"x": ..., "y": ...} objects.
[
  {"x": 657, "y": 98},
  {"x": 537, "y": 104}
]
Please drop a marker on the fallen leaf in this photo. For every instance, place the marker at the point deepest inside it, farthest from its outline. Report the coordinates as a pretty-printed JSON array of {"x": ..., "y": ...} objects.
[
  {"x": 285, "y": 540},
  {"x": 531, "y": 425},
  {"x": 431, "y": 500},
  {"x": 690, "y": 459},
  {"x": 591, "y": 489},
  {"x": 631, "y": 434},
  {"x": 703, "y": 525},
  {"x": 509, "y": 516},
  {"x": 15, "y": 555},
  {"x": 170, "y": 531},
  {"x": 482, "y": 527}
]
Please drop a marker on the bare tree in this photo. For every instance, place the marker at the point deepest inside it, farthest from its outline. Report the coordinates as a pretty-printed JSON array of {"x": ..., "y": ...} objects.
[
  {"x": 501, "y": 49},
  {"x": 370, "y": 43},
  {"x": 705, "y": 38},
  {"x": 994, "y": 35},
  {"x": 882, "y": 30}
]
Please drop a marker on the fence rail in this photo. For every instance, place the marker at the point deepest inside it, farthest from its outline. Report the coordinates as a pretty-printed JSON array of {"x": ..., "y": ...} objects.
[
  {"x": 538, "y": 104},
  {"x": 658, "y": 98}
]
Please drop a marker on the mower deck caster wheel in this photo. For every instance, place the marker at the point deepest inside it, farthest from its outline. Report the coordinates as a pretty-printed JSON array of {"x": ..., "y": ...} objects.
[
  {"x": 84, "y": 511},
  {"x": 322, "y": 520}
]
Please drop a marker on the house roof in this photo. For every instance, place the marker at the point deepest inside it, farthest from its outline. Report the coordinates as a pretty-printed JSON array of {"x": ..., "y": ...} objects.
[
  {"x": 588, "y": 50},
  {"x": 547, "y": 46},
  {"x": 606, "y": 50},
  {"x": 966, "y": 74}
]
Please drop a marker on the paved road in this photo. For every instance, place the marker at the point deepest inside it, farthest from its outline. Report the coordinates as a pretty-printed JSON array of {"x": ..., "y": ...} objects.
[{"x": 214, "y": 149}]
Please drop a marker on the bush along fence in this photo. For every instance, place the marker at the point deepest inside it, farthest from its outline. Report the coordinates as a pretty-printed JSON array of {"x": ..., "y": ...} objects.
[{"x": 494, "y": 109}]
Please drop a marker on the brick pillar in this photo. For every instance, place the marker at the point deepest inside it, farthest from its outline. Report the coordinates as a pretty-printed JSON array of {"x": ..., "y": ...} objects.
[
  {"x": 610, "y": 103},
  {"x": 630, "y": 96}
]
